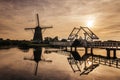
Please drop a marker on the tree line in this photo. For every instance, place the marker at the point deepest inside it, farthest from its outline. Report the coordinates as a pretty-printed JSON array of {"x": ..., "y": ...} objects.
[{"x": 9, "y": 42}]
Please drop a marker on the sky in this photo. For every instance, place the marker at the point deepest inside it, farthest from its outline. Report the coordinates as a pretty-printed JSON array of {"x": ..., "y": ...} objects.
[{"x": 63, "y": 15}]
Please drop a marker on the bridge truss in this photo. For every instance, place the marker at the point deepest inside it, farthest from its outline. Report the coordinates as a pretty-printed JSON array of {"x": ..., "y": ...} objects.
[{"x": 88, "y": 34}]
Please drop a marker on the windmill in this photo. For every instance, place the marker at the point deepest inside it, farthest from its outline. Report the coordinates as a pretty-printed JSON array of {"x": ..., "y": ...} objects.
[{"x": 38, "y": 31}]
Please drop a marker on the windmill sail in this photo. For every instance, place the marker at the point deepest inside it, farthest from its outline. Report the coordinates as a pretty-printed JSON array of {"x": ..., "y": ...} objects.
[{"x": 38, "y": 20}]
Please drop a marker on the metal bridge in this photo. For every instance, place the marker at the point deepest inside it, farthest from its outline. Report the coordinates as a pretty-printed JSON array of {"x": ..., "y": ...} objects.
[
  {"x": 88, "y": 39},
  {"x": 85, "y": 38},
  {"x": 94, "y": 44}
]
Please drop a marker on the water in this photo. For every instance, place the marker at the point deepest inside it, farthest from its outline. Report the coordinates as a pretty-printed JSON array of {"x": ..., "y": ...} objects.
[{"x": 16, "y": 64}]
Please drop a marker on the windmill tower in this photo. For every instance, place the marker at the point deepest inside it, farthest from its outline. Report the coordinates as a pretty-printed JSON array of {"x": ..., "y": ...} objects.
[{"x": 38, "y": 31}]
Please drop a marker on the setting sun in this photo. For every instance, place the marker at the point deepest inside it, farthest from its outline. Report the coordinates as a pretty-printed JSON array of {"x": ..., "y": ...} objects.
[{"x": 90, "y": 23}]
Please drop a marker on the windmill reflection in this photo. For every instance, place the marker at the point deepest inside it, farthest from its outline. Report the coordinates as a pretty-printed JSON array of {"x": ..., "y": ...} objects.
[{"x": 37, "y": 57}]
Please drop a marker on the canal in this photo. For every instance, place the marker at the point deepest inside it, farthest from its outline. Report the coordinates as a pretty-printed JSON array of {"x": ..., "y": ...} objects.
[{"x": 49, "y": 64}]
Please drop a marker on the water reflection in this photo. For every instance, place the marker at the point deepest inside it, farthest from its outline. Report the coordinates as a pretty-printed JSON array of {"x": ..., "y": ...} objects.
[
  {"x": 24, "y": 49},
  {"x": 87, "y": 62},
  {"x": 37, "y": 57},
  {"x": 61, "y": 68},
  {"x": 84, "y": 63}
]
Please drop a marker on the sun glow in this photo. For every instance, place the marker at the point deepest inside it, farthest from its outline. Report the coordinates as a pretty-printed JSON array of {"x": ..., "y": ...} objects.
[{"x": 90, "y": 21}]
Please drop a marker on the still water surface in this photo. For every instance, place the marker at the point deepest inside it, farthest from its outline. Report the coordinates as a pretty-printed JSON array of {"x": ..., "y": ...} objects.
[{"x": 16, "y": 64}]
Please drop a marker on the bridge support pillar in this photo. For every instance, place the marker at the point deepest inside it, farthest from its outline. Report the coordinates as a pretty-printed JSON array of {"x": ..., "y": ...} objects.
[
  {"x": 86, "y": 50},
  {"x": 75, "y": 48},
  {"x": 114, "y": 54},
  {"x": 71, "y": 48},
  {"x": 108, "y": 53},
  {"x": 66, "y": 48},
  {"x": 91, "y": 50}
]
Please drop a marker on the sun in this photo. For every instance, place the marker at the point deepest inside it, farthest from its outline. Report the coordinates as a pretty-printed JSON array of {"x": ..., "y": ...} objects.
[
  {"x": 90, "y": 23},
  {"x": 90, "y": 20}
]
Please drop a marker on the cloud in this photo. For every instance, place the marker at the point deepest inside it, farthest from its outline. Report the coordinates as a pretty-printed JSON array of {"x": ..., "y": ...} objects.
[
  {"x": 111, "y": 27},
  {"x": 18, "y": 14},
  {"x": 4, "y": 27}
]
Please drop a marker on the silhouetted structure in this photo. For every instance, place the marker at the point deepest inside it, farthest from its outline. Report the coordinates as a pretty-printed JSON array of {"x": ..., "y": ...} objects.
[
  {"x": 38, "y": 31},
  {"x": 88, "y": 34},
  {"x": 88, "y": 62},
  {"x": 89, "y": 40},
  {"x": 37, "y": 57}
]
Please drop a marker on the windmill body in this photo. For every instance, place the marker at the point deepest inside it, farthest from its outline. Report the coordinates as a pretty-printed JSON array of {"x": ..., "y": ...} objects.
[{"x": 38, "y": 35}]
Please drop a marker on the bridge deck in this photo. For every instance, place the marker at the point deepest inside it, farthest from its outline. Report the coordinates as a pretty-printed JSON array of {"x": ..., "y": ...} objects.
[{"x": 102, "y": 45}]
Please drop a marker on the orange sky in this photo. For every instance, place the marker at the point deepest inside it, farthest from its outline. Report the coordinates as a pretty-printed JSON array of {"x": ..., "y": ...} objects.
[{"x": 64, "y": 15}]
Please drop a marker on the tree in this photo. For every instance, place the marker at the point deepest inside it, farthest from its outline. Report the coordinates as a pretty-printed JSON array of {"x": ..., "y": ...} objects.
[
  {"x": 47, "y": 40},
  {"x": 64, "y": 40},
  {"x": 55, "y": 38},
  {"x": 1, "y": 39}
]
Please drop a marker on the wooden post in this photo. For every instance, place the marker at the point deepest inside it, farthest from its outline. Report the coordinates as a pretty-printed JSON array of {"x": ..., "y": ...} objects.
[
  {"x": 66, "y": 48},
  {"x": 117, "y": 63},
  {"x": 91, "y": 50},
  {"x": 75, "y": 48},
  {"x": 108, "y": 53},
  {"x": 114, "y": 54},
  {"x": 99, "y": 59},
  {"x": 71, "y": 48},
  {"x": 86, "y": 50}
]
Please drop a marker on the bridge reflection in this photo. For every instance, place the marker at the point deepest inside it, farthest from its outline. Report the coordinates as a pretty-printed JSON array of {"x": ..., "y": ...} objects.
[{"x": 87, "y": 62}]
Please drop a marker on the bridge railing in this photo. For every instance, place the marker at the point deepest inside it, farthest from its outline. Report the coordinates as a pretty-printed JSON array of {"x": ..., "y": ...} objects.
[
  {"x": 104, "y": 44},
  {"x": 94, "y": 44}
]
